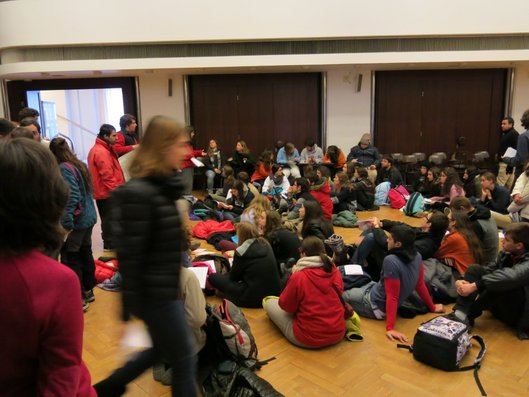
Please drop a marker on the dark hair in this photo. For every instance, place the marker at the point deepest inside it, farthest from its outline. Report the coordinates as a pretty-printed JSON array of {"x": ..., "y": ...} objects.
[
  {"x": 60, "y": 149},
  {"x": 304, "y": 183},
  {"x": 239, "y": 185},
  {"x": 22, "y": 132},
  {"x": 438, "y": 223},
  {"x": 464, "y": 227},
  {"x": 389, "y": 159},
  {"x": 350, "y": 170},
  {"x": 313, "y": 212},
  {"x": 509, "y": 119},
  {"x": 313, "y": 246},
  {"x": 333, "y": 153},
  {"x": 312, "y": 177},
  {"x": 307, "y": 170},
  {"x": 275, "y": 168},
  {"x": 460, "y": 201},
  {"x": 452, "y": 178},
  {"x": 525, "y": 119},
  {"x": 243, "y": 176},
  {"x": 273, "y": 223},
  {"x": 266, "y": 159},
  {"x": 227, "y": 170},
  {"x": 33, "y": 195},
  {"x": 403, "y": 234},
  {"x": 105, "y": 130},
  {"x": 6, "y": 127},
  {"x": 519, "y": 232},
  {"x": 489, "y": 176},
  {"x": 30, "y": 121},
  {"x": 309, "y": 142},
  {"x": 27, "y": 112},
  {"x": 126, "y": 120},
  {"x": 362, "y": 172},
  {"x": 246, "y": 231},
  {"x": 344, "y": 180}
]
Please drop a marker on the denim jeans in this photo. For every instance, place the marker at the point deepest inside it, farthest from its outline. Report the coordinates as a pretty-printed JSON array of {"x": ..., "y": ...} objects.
[{"x": 172, "y": 343}]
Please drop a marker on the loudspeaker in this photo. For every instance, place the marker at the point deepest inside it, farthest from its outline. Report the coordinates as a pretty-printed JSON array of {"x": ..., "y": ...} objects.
[
  {"x": 170, "y": 87},
  {"x": 359, "y": 82}
]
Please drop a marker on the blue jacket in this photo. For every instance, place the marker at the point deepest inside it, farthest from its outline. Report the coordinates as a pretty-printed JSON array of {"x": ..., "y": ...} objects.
[
  {"x": 283, "y": 159},
  {"x": 78, "y": 195},
  {"x": 365, "y": 157}
]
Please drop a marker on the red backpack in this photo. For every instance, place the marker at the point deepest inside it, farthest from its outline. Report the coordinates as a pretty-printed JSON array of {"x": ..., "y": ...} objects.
[{"x": 398, "y": 197}]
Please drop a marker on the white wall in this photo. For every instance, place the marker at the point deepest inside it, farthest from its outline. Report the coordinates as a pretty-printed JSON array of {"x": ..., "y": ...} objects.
[
  {"x": 348, "y": 111},
  {"x": 154, "y": 98},
  {"x": 521, "y": 95},
  {"x": 56, "y": 22}
]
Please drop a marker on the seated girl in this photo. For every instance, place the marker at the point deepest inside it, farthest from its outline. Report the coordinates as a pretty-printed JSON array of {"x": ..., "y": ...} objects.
[
  {"x": 364, "y": 190},
  {"x": 237, "y": 203},
  {"x": 309, "y": 311},
  {"x": 284, "y": 242},
  {"x": 314, "y": 222},
  {"x": 253, "y": 274},
  {"x": 450, "y": 186},
  {"x": 402, "y": 273},
  {"x": 343, "y": 198}
]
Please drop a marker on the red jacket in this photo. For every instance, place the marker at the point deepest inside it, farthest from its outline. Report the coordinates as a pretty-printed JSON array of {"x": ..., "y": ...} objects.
[
  {"x": 318, "y": 312},
  {"x": 205, "y": 228},
  {"x": 41, "y": 329},
  {"x": 322, "y": 194},
  {"x": 105, "y": 169},
  {"x": 119, "y": 146},
  {"x": 186, "y": 162}
]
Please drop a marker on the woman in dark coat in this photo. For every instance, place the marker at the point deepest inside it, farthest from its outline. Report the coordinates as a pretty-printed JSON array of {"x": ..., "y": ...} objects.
[
  {"x": 254, "y": 273},
  {"x": 150, "y": 241},
  {"x": 314, "y": 223}
]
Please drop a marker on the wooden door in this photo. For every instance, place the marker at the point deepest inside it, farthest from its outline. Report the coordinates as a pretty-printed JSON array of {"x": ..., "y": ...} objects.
[
  {"x": 427, "y": 111},
  {"x": 259, "y": 109}
]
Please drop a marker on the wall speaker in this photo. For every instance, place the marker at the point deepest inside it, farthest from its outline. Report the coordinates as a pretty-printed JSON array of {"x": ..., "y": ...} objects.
[
  {"x": 359, "y": 82},
  {"x": 170, "y": 87}
]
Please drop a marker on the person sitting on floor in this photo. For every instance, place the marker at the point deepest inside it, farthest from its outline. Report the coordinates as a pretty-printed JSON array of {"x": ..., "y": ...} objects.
[
  {"x": 501, "y": 287},
  {"x": 263, "y": 168},
  {"x": 254, "y": 272},
  {"x": 314, "y": 222},
  {"x": 493, "y": 196},
  {"x": 421, "y": 184},
  {"x": 309, "y": 312},
  {"x": 236, "y": 204},
  {"x": 334, "y": 158},
  {"x": 402, "y": 273},
  {"x": 299, "y": 192},
  {"x": 343, "y": 198},
  {"x": 285, "y": 243},
  {"x": 276, "y": 186},
  {"x": 389, "y": 173},
  {"x": 364, "y": 190},
  {"x": 288, "y": 157},
  {"x": 321, "y": 191},
  {"x": 450, "y": 187}
]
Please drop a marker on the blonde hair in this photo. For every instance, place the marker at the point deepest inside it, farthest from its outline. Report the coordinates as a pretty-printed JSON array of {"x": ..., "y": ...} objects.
[
  {"x": 260, "y": 204},
  {"x": 149, "y": 157},
  {"x": 246, "y": 231}
]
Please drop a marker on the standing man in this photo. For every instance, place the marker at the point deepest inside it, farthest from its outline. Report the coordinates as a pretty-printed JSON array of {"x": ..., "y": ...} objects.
[
  {"x": 106, "y": 176},
  {"x": 522, "y": 147},
  {"x": 509, "y": 139},
  {"x": 127, "y": 139}
]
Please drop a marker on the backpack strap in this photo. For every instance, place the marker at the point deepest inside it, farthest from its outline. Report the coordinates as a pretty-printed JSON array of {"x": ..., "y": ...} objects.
[
  {"x": 477, "y": 362},
  {"x": 408, "y": 209},
  {"x": 72, "y": 168}
]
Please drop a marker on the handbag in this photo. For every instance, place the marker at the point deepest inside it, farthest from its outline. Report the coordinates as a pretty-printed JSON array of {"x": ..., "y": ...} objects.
[{"x": 348, "y": 310}]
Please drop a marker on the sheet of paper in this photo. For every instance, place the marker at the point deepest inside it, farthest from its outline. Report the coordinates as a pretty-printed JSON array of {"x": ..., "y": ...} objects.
[
  {"x": 197, "y": 162},
  {"x": 353, "y": 270},
  {"x": 364, "y": 222},
  {"x": 510, "y": 152},
  {"x": 202, "y": 275}
]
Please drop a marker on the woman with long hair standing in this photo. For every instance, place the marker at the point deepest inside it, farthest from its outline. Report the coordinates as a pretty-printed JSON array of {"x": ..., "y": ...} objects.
[
  {"x": 78, "y": 218},
  {"x": 42, "y": 320},
  {"x": 150, "y": 241}
]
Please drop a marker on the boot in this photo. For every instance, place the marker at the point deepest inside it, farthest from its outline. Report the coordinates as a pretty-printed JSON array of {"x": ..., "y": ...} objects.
[{"x": 107, "y": 388}]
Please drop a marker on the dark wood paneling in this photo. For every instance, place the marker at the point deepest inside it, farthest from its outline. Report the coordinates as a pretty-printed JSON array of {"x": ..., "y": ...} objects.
[
  {"x": 259, "y": 109},
  {"x": 427, "y": 111}
]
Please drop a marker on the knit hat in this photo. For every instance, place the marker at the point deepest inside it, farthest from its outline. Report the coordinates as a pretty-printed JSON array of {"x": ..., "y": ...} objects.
[{"x": 335, "y": 242}]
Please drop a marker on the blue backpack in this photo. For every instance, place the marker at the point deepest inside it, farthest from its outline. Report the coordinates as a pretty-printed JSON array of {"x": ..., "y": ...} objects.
[
  {"x": 414, "y": 205},
  {"x": 381, "y": 193}
]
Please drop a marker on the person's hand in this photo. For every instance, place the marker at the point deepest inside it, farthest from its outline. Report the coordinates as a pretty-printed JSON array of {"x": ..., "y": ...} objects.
[
  {"x": 136, "y": 146},
  {"x": 372, "y": 167},
  {"x": 518, "y": 199},
  {"x": 486, "y": 193},
  {"x": 439, "y": 308},
  {"x": 376, "y": 223},
  {"x": 217, "y": 171},
  {"x": 467, "y": 289},
  {"x": 230, "y": 159},
  {"x": 354, "y": 161},
  {"x": 204, "y": 153},
  {"x": 396, "y": 336},
  {"x": 459, "y": 283}
]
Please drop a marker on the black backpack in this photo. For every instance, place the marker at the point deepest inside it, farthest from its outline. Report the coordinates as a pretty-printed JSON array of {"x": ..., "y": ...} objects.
[
  {"x": 222, "y": 264},
  {"x": 442, "y": 342}
]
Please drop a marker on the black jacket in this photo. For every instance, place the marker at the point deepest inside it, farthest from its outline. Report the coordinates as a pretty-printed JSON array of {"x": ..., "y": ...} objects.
[
  {"x": 487, "y": 232},
  {"x": 391, "y": 175},
  {"x": 254, "y": 267},
  {"x": 285, "y": 244},
  {"x": 217, "y": 160},
  {"x": 320, "y": 229},
  {"x": 365, "y": 194},
  {"x": 149, "y": 240}
]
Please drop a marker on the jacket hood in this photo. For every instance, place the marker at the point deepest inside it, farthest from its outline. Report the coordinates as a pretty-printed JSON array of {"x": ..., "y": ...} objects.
[
  {"x": 406, "y": 255},
  {"x": 254, "y": 248},
  {"x": 479, "y": 213},
  {"x": 321, "y": 186},
  {"x": 171, "y": 186},
  {"x": 317, "y": 275}
]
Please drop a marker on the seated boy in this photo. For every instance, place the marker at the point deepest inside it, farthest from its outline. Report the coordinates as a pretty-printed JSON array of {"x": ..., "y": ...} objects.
[
  {"x": 501, "y": 287},
  {"x": 402, "y": 273}
]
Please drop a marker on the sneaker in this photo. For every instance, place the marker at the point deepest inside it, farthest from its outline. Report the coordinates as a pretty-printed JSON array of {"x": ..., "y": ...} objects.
[
  {"x": 89, "y": 296},
  {"x": 86, "y": 305}
]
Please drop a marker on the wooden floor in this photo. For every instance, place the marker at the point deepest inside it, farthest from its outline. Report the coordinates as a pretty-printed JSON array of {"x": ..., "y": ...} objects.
[{"x": 374, "y": 367}]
